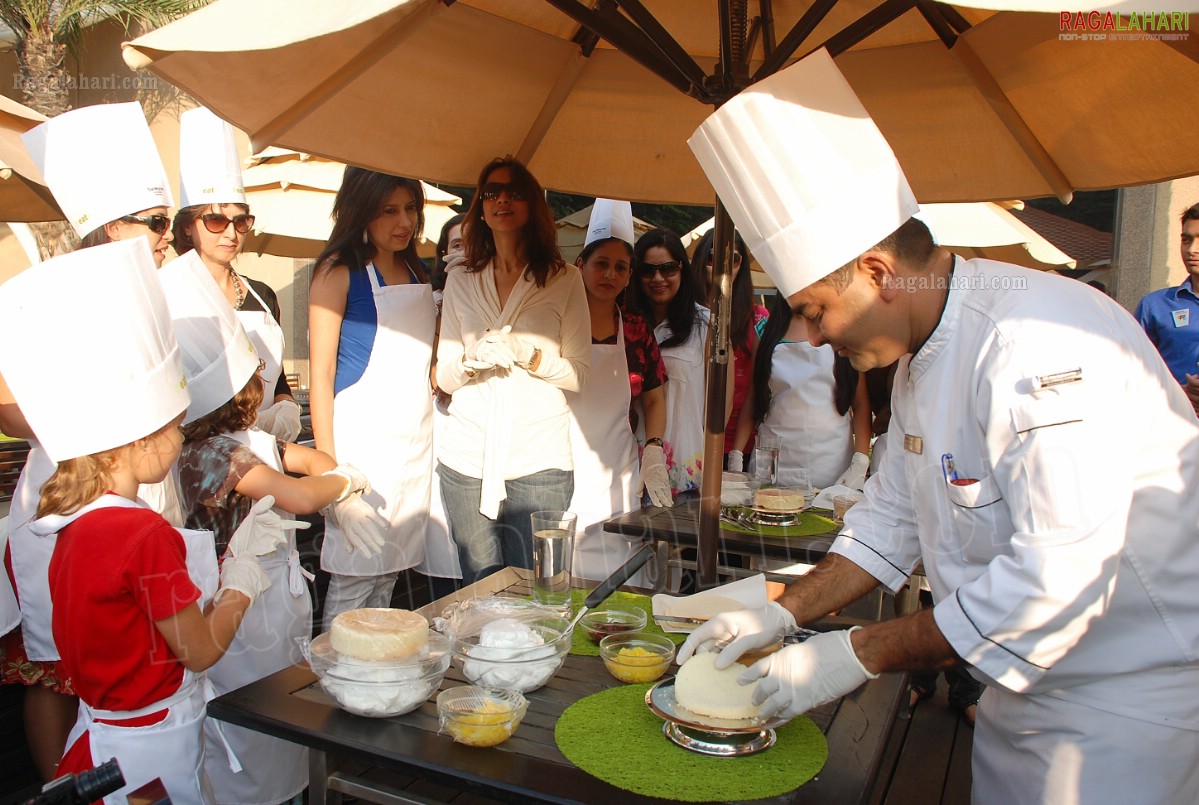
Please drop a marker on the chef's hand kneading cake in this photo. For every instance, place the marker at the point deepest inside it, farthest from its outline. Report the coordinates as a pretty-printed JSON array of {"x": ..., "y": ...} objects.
[
  {"x": 701, "y": 688},
  {"x": 379, "y": 634},
  {"x": 778, "y": 499}
]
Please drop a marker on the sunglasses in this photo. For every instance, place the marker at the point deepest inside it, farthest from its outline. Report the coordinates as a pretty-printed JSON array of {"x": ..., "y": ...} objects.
[
  {"x": 216, "y": 223},
  {"x": 155, "y": 223},
  {"x": 736, "y": 259},
  {"x": 492, "y": 190},
  {"x": 667, "y": 270}
]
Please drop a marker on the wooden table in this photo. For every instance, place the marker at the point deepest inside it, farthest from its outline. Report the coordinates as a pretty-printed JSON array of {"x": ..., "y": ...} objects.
[{"x": 528, "y": 767}]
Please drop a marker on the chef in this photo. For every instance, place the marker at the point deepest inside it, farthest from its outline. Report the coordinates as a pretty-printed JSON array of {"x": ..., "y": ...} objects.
[
  {"x": 1043, "y": 466},
  {"x": 102, "y": 166},
  {"x": 609, "y": 479},
  {"x": 214, "y": 219}
]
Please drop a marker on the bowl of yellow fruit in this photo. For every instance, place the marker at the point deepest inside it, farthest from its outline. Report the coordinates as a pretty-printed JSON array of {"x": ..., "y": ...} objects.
[
  {"x": 636, "y": 656},
  {"x": 479, "y": 716}
]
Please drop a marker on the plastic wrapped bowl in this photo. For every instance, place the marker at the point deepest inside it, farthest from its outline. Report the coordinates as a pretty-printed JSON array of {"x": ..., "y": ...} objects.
[
  {"x": 613, "y": 619},
  {"x": 381, "y": 688},
  {"x": 480, "y": 717},
  {"x": 507, "y": 644},
  {"x": 637, "y": 656}
]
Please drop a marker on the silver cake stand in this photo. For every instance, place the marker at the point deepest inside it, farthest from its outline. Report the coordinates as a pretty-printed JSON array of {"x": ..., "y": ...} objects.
[{"x": 720, "y": 737}]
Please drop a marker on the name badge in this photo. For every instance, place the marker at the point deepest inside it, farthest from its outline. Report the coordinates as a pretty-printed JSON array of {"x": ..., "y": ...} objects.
[
  {"x": 1181, "y": 317},
  {"x": 913, "y": 444}
]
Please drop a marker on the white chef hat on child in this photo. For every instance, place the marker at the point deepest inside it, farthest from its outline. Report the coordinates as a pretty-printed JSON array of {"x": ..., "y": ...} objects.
[
  {"x": 209, "y": 167},
  {"x": 610, "y": 219},
  {"x": 804, "y": 172},
  {"x": 90, "y": 355},
  {"x": 100, "y": 162},
  {"x": 218, "y": 357}
]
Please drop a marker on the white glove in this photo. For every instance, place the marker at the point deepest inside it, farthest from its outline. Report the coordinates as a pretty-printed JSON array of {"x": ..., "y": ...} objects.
[
  {"x": 364, "y": 528},
  {"x": 743, "y": 630},
  {"x": 522, "y": 350},
  {"x": 736, "y": 461},
  {"x": 281, "y": 420},
  {"x": 654, "y": 478},
  {"x": 262, "y": 530},
  {"x": 454, "y": 260},
  {"x": 797, "y": 678},
  {"x": 356, "y": 480},
  {"x": 855, "y": 474},
  {"x": 244, "y": 574},
  {"x": 491, "y": 350}
]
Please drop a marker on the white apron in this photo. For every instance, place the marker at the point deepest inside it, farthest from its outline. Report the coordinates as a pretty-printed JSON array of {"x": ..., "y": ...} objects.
[
  {"x": 267, "y": 337},
  {"x": 31, "y": 553},
  {"x": 684, "y": 436},
  {"x": 173, "y": 748},
  {"x": 803, "y": 416},
  {"x": 272, "y": 770},
  {"x": 10, "y": 613},
  {"x": 441, "y": 552},
  {"x": 604, "y": 453},
  {"x": 383, "y": 425}
]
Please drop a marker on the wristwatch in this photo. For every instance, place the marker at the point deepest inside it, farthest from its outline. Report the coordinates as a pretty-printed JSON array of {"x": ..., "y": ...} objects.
[{"x": 655, "y": 440}]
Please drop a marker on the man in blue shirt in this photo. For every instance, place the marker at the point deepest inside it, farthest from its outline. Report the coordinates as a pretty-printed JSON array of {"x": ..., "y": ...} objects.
[{"x": 1171, "y": 316}]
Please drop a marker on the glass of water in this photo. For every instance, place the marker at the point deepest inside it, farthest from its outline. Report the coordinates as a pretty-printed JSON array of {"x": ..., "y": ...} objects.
[
  {"x": 553, "y": 545},
  {"x": 766, "y": 460}
]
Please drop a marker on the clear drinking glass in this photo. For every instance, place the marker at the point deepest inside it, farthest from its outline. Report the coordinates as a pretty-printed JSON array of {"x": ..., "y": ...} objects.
[
  {"x": 553, "y": 545},
  {"x": 766, "y": 460}
]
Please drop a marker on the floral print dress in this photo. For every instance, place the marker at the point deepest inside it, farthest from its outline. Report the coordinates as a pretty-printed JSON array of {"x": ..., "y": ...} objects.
[{"x": 684, "y": 437}]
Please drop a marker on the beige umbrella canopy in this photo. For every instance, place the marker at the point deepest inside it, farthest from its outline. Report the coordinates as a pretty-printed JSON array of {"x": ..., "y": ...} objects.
[
  {"x": 977, "y": 105},
  {"x": 572, "y": 231},
  {"x": 291, "y": 195},
  {"x": 23, "y": 194}
]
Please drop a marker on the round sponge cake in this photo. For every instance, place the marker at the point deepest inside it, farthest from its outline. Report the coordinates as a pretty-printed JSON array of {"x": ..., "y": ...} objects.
[
  {"x": 779, "y": 499},
  {"x": 379, "y": 634},
  {"x": 702, "y": 689}
]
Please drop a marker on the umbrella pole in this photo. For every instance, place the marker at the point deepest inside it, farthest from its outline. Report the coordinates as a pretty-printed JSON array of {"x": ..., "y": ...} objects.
[{"x": 715, "y": 414}]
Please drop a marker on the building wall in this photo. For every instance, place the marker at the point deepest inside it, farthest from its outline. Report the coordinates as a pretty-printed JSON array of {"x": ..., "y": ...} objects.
[{"x": 1147, "y": 238}]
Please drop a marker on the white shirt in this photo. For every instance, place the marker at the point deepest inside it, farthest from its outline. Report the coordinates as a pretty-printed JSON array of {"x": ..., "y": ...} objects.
[
  {"x": 512, "y": 420},
  {"x": 1071, "y": 559}
]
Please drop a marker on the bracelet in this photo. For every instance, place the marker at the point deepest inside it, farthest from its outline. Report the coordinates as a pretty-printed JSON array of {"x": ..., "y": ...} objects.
[
  {"x": 655, "y": 440},
  {"x": 469, "y": 372},
  {"x": 534, "y": 359}
]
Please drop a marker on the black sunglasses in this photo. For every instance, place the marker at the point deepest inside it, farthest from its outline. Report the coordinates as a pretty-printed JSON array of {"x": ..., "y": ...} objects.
[
  {"x": 667, "y": 270},
  {"x": 155, "y": 223},
  {"x": 216, "y": 223},
  {"x": 491, "y": 191},
  {"x": 736, "y": 259}
]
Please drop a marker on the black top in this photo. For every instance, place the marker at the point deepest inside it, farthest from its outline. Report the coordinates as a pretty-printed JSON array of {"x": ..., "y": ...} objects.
[{"x": 272, "y": 307}]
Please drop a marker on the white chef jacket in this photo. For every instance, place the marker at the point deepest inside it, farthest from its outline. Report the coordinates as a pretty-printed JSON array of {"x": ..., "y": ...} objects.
[{"x": 1068, "y": 566}]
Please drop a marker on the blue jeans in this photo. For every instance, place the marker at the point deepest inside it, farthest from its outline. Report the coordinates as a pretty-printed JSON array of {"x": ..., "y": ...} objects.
[{"x": 486, "y": 545}]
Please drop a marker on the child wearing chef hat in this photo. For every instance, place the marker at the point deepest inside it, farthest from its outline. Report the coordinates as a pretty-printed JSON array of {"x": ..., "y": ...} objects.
[
  {"x": 128, "y": 588},
  {"x": 121, "y": 196},
  {"x": 213, "y": 220},
  {"x": 231, "y": 473}
]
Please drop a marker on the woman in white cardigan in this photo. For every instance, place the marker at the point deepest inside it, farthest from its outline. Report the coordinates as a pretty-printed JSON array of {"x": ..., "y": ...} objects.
[{"x": 515, "y": 334}]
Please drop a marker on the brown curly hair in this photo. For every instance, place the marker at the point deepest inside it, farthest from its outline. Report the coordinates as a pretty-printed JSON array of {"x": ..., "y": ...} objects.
[{"x": 238, "y": 413}]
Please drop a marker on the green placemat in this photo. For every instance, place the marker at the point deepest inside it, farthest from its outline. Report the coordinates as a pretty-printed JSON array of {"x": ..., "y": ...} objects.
[
  {"x": 810, "y": 524},
  {"x": 612, "y": 735},
  {"x": 581, "y": 644}
]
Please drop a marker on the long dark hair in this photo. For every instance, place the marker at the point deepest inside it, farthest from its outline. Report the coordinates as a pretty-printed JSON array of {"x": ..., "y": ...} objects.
[
  {"x": 743, "y": 288},
  {"x": 845, "y": 377},
  {"x": 361, "y": 195},
  {"x": 680, "y": 313},
  {"x": 437, "y": 277},
  {"x": 540, "y": 235}
]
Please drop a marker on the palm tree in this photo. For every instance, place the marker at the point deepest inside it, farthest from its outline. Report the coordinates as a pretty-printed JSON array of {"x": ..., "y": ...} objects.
[{"x": 45, "y": 32}]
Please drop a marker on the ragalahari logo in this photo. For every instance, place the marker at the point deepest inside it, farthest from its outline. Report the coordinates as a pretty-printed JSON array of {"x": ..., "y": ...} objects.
[{"x": 1110, "y": 26}]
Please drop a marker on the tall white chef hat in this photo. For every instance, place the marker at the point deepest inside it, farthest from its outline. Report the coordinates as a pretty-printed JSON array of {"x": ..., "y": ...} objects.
[
  {"x": 610, "y": 219},
  {"x": 93, "y": 362},
  {"x": 209, "y": 167},
  {"x": 218, "y": 357},
  {"x": 100, "y": 162},
  {"x": 804, "y": 172}
]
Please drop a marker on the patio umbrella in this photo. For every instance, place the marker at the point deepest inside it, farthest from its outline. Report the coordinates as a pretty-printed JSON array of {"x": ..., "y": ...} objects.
[
  {"x": 292, "y": 195},
  {"x": 24, "y": 196},
  {"x": 599, "y": 99},
  {"x": 572, "y": 231}
]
